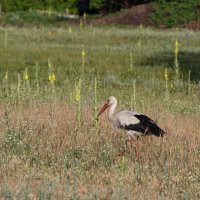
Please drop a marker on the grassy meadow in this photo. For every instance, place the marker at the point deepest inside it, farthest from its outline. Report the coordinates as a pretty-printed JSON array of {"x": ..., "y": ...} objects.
[{"x": 53, "y": 82}]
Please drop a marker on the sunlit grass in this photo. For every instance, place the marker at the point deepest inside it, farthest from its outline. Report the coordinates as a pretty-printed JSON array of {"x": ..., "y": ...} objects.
[{"x": 51, "y": 146}]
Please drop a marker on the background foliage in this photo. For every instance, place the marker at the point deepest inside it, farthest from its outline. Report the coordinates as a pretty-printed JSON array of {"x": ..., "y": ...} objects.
[
  {"x": 176, "y": 12},
  {"x": 165, "y": 12},
  {"x": 109, "y": 5}
]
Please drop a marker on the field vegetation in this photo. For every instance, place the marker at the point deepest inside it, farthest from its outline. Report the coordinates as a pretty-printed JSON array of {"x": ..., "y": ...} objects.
[
  {"x": 54, "y": 80},
  {"x": 163, "y": 13}
]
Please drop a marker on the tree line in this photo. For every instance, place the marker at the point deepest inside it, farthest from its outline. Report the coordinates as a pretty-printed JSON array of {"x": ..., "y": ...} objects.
[
  {"x": 175, "y": 8},
  {"x": 73, "y": 5}
]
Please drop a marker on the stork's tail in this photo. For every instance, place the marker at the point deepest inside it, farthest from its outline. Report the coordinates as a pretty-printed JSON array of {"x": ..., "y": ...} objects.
[{"x": 157, "y": 131}]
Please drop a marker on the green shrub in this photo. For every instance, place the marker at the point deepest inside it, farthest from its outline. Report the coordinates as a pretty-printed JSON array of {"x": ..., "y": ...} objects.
[
  {"x": 21, "y": 18},
  {"x": 172, "y": 13}
]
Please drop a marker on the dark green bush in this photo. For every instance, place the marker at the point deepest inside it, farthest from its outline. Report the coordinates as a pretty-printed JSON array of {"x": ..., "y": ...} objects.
[
  {"x": 171, "y": 13},
  {"x": 24, "y": 5},
  {"x": 61, "y": 5}
]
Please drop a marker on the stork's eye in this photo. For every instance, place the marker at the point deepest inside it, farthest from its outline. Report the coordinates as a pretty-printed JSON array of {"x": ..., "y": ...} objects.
[{"x": 108, "y": 101}]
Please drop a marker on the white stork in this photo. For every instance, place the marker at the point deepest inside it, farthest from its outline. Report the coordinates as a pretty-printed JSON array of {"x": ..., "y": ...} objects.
[{"x": 134, "y": 124}]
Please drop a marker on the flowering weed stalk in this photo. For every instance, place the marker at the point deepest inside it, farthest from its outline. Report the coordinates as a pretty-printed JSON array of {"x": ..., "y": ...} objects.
[
  {"x": 6, "y": 76},
  {"x": 189, "y": 81},
  {"x": 51, "y": 76},
  {"x": 133, "y": 98},
  {"x": 78, "y": 100},
  {"x": 5, "y": 38},
  {"x": 139, "y": 45},
  {"x": 95, "y": 100},
  {"x": 81, "y": 23},
  {"x": 6, "y": 83},
  {"x": 83, "y": 55},
  {"x": 84, "y": 18},
  {"x": 52, "y": 79},
  {"x": 26, "y": 79},
  {"x": 26, "y": 74},
  {"x": 131, "y": 61},
  {"x": 18, "y": 88},
  {"x": 166, "y": 84},
  {"x": 49, "y": 9},
  {"x": 70, "y": 29},
  {"x": 49, "y": 64},
  {"x": 176, "y": 64},
  {"x": 36, "y": 77}
]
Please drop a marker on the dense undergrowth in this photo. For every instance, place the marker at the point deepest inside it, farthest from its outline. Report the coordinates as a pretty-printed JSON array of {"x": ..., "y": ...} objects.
[
  {"x": 174, "y": 13},
  {"x": 163, "y": 13}
]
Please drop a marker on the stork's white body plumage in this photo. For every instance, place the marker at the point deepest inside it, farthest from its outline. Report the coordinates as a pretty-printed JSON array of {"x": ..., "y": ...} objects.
[
  {"x": 124, "y": 118},
  {"x": 134, "y": 124}
]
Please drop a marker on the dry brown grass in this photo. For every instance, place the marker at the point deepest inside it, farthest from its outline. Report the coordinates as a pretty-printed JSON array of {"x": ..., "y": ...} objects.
[
  {"x": 60, "y": 159},
  {"x": 45, "y": 154}
]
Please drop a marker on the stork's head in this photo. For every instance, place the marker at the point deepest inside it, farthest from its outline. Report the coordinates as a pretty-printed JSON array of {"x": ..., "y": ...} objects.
[{"x": 111, "y": 101}]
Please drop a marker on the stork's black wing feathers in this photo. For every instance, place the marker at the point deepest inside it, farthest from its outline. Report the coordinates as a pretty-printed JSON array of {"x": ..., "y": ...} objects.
[
  {"x": 145, "y": 126},
  {"x": 135, "y": 127}
]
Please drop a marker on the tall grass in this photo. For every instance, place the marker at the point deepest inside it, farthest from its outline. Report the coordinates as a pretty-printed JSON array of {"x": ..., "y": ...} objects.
[{"x": 51, "y": 147}]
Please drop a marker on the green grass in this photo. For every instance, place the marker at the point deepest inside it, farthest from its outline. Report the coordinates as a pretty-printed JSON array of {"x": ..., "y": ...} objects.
[
  {"x": 31, "y": 19},
  {"x": 46, "y": 154}
]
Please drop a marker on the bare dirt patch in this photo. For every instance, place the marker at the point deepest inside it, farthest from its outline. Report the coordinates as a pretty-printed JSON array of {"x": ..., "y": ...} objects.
[
  {"x": 136, "y": 15},
  {"x": 194, "y": 25}
]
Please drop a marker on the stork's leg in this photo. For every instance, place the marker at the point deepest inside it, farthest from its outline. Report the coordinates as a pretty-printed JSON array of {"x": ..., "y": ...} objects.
[
  {"x": 129, "y": 143},
  {"x": 137, "y": 148}
]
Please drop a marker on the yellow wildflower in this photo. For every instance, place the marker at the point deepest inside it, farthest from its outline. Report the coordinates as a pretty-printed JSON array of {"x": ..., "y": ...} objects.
[
  {"x": 172, "y": 86},
  {"x": 81, "y": 23},
  {"x": 78, "y": 96},
  {"x": 6, "y": 76},
  {"x": 166, "y": 75},
  {"x": 49, "y": 63},
  {"x": 26, "y": 74},
  {"x": 49, "y": 12},
  {"x": 139, "y": 43},
  {"x": 84, "y": 16},
  {"x": 176, "y": 48},
  {"x": 83, "y": 56},
  {"x": 78, "y": 91},
  {"x": 52, "y": 78},
  {"x": 70, "y": 29}
]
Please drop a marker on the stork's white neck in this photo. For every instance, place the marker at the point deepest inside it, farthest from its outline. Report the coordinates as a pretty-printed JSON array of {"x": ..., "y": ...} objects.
[{"x": 111, "y": 111}]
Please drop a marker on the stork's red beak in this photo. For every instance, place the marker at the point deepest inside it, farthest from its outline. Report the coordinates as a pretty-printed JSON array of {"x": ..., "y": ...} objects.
[{"x": 105, "y": 106}]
